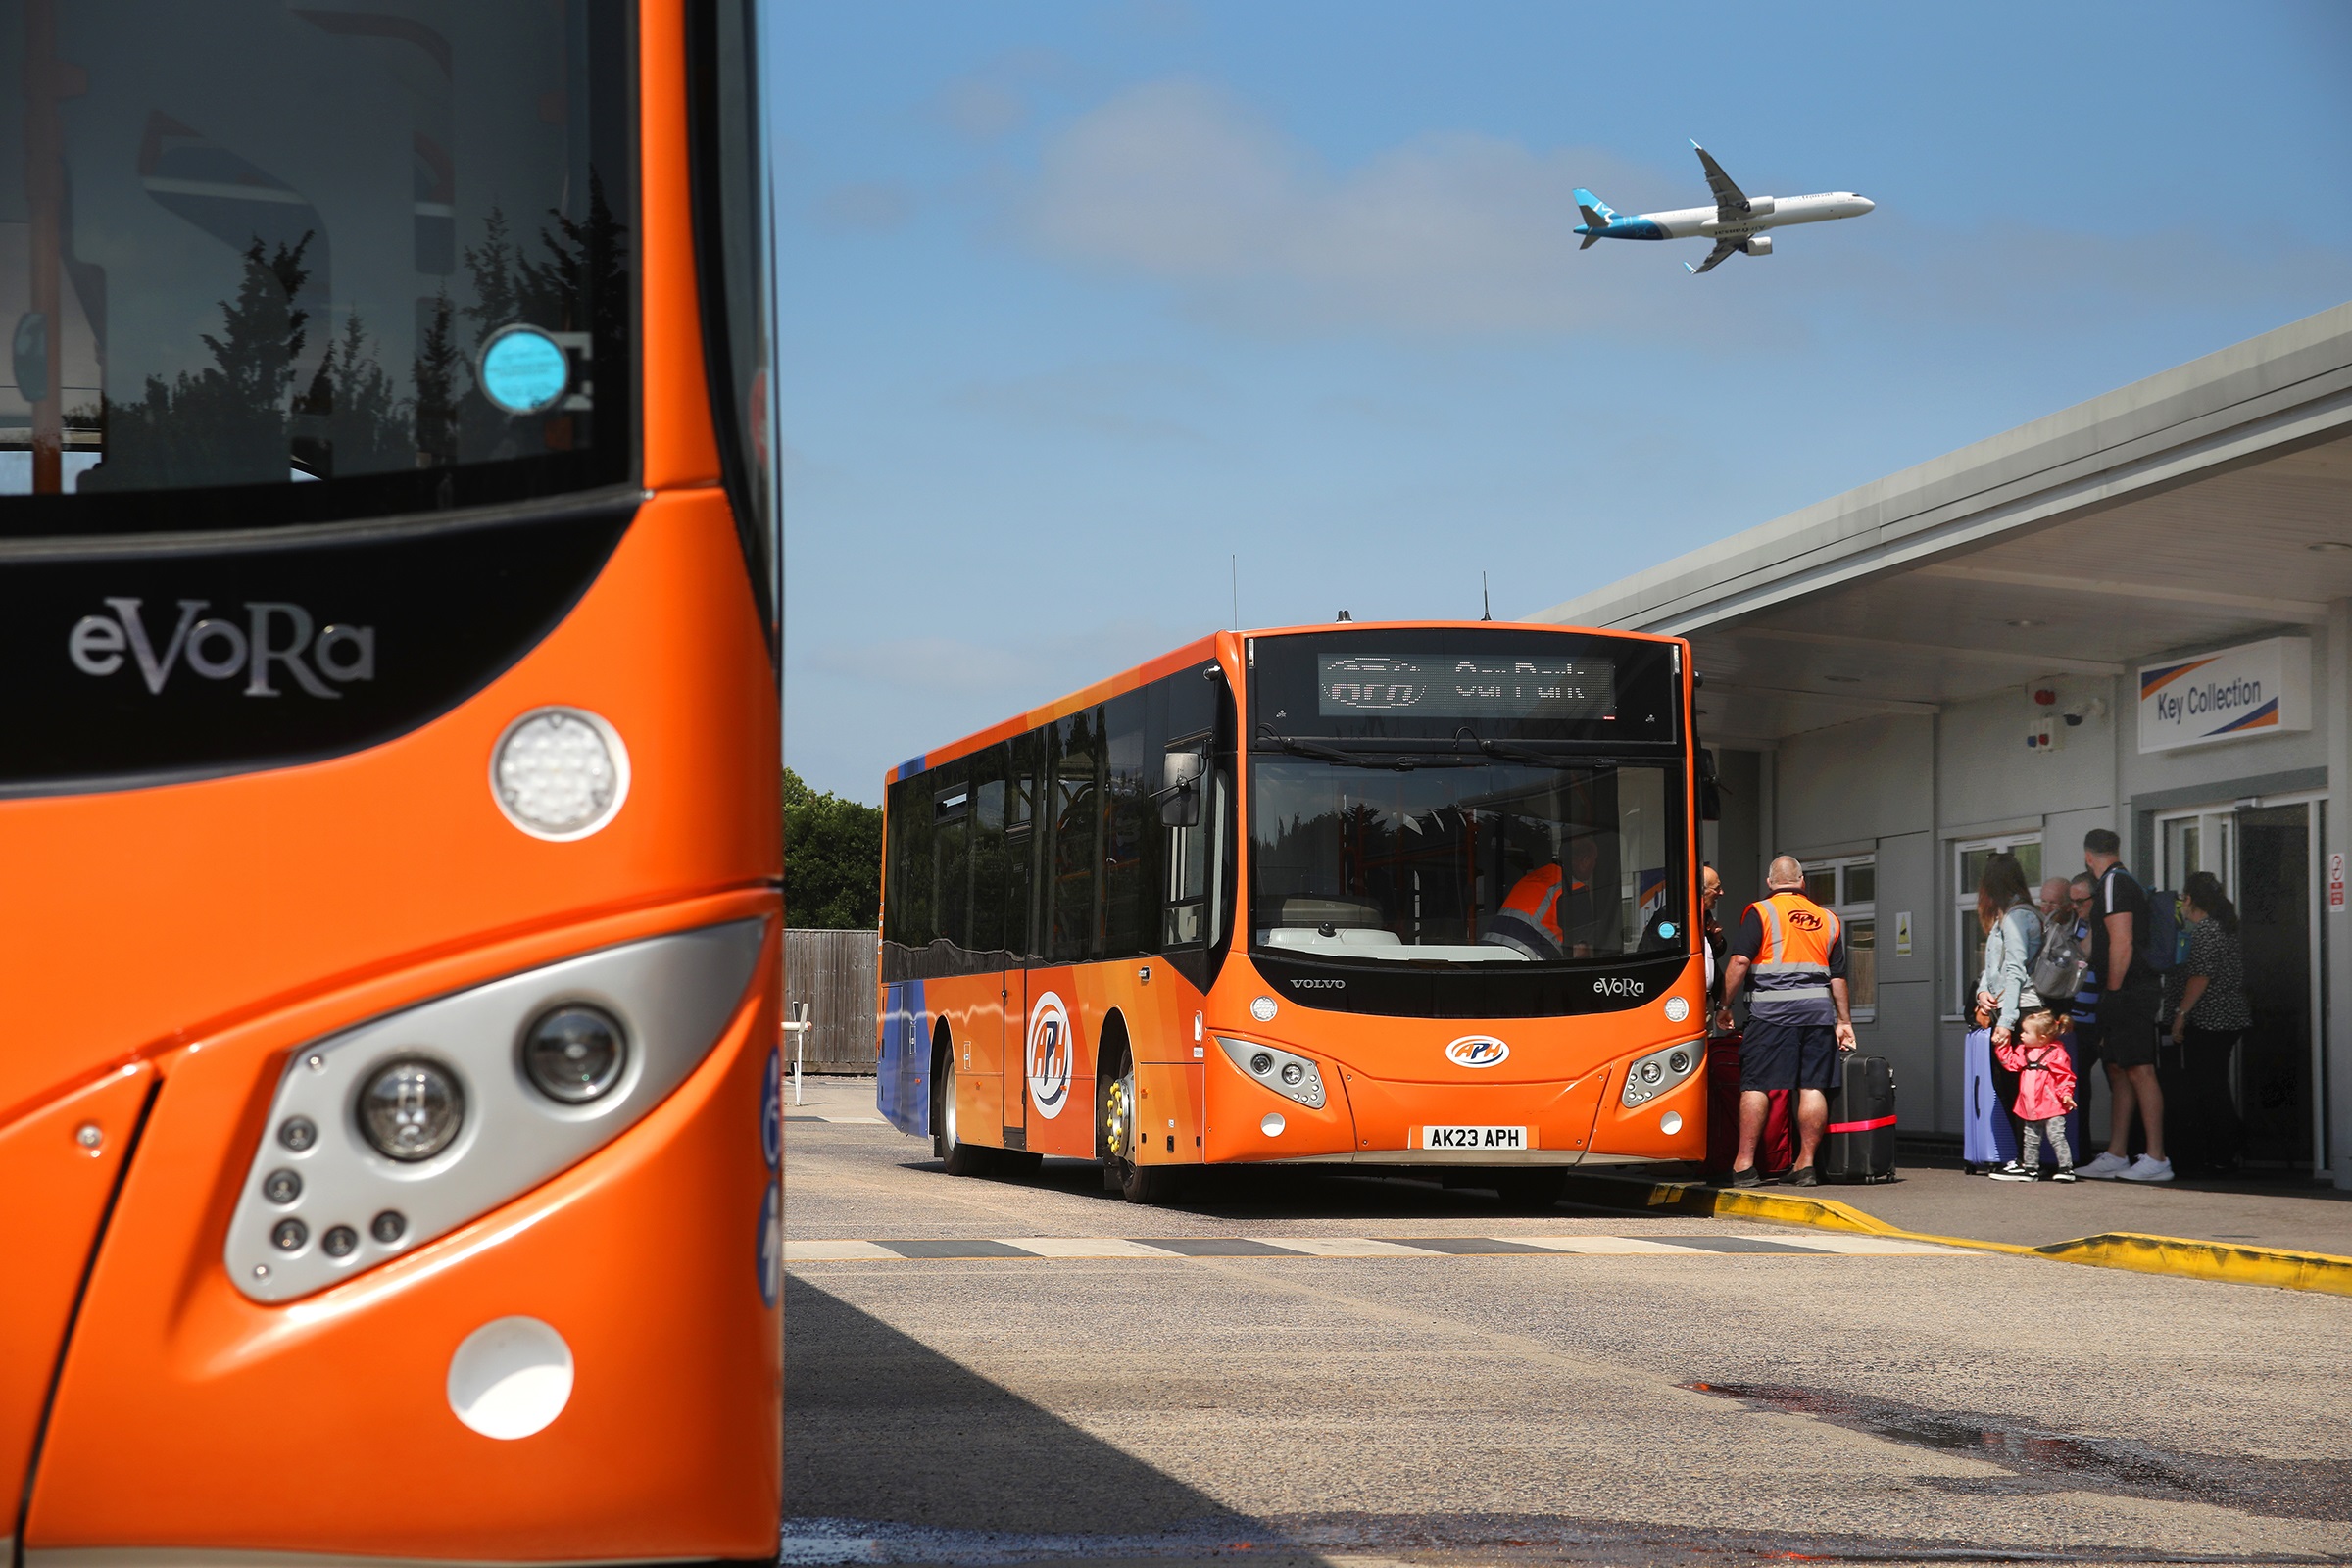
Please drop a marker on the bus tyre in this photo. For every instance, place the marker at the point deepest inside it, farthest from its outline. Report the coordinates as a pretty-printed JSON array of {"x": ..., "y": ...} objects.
[
  {"x": 960, "y": 1157},
  {"x": 1137, "y": 1182}
]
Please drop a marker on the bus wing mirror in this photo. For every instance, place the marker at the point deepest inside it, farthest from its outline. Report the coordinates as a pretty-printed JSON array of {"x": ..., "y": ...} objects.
[{"x": 1180, "y": 789}]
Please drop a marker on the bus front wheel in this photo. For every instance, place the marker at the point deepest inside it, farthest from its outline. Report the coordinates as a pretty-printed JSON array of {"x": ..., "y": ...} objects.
[{"x": 1137, "y": 1182}]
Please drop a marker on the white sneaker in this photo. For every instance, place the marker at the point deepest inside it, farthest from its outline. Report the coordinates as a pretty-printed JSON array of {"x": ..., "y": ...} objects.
[
  {"x": 2106, "y": 1168},
  {"x": 2144, "y": 1169}
]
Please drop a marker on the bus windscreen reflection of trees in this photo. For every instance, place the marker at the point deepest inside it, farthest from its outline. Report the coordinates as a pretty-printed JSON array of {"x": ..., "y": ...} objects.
[{"x": 254, "y": 415}]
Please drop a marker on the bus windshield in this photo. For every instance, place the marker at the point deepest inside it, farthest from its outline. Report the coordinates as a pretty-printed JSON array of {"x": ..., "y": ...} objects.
[
  {"x": 303, "y": 261},
  {"x": 1464, "y": 861}
]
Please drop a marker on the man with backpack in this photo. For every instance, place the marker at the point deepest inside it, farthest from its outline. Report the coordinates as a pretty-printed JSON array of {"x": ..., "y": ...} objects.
[{"x": 2120, "y": 927}]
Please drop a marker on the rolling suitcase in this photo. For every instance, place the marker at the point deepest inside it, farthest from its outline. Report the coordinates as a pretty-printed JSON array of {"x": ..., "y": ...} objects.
[
  {"x": 1776, "y": 1150},
  {"x": 1987, "y": 1137},
  {"x": 1858, "y": 1145}
]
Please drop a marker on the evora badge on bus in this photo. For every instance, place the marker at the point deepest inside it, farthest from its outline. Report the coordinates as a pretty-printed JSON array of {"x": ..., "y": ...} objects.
[
  {"x": 1477, "y": 1050},
  {"x": 219, "y": 648}
]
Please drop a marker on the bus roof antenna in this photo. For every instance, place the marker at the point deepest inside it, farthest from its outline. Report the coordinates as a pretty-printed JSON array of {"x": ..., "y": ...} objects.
[
  {"x": 1344, "y": 615},
  {"x": 1485, "y": 600}
]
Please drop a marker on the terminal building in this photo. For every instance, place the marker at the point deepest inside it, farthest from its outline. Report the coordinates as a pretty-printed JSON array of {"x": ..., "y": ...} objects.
[{"x": 2133, "y": 614}]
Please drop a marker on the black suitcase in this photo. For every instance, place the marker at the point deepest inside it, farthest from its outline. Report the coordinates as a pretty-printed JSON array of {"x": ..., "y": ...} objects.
[{"x": 1859, "y": 1144}]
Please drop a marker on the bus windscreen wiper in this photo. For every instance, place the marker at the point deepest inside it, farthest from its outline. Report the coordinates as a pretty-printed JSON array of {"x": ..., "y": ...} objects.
[
  {"x": 1299, "y": 745},
  {"x": 1507, "y": 751}
]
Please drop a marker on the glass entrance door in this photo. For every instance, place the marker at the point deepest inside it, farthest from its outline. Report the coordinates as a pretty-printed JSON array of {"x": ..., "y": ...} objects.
[{"x": 2264, "y": 857}]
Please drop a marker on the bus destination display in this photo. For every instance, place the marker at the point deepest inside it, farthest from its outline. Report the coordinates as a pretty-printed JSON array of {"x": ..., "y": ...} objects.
[{"x": 1457, "y": 686}]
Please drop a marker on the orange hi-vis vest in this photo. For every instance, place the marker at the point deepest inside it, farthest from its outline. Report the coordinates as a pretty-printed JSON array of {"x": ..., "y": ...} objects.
[
  {"x": 1530, "y": 919},
  {"x": 1790, "y": 980}
]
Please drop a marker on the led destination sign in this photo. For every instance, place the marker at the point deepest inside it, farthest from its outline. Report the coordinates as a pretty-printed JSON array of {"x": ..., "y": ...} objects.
[{"x": 1465, "y": 686}]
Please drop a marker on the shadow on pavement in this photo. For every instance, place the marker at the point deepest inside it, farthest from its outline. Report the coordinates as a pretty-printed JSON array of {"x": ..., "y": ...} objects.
[{"x": 1290, "y": 1192}]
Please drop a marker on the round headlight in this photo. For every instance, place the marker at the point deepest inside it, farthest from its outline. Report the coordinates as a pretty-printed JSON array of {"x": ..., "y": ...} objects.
[
  {"x": 560, "y": 773},
  {"x": 410, "y": 1109},
  {"x": 1262, "y": 1065},
  {"x": 1680, "y": 1061},
  {"x": 1292, "y": 1072},
  {"x": 1651, "y": 1072},
  {"x": 574, "y": 1054}
]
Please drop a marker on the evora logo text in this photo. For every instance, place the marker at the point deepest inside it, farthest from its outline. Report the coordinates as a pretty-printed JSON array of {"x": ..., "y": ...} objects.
[{"x": 275, "y": 640}]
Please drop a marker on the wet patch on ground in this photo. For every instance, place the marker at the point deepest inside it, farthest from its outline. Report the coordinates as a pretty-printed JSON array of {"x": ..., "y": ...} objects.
[
  {"x": 2043, "y": 1459},
  {"x": 1337, "y": 1540}
]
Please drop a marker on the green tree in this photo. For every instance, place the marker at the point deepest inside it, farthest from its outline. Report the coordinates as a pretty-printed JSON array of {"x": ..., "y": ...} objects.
[{"x": 832, "y": 861}]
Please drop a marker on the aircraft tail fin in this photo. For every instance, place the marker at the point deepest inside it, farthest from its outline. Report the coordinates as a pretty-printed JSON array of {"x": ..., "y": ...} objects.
[
  {"x": 1591, "y": 240},
  {"x": 1597, "y": 213}
]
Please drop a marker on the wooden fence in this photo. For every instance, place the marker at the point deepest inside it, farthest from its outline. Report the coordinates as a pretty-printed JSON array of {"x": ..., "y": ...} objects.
[{"x": 833, "y": 972}]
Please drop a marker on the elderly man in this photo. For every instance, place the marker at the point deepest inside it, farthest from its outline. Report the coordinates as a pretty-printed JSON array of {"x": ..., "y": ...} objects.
[
  {"x": 1798, "y": 1020},
  {"x": 2056, "y": 901}
]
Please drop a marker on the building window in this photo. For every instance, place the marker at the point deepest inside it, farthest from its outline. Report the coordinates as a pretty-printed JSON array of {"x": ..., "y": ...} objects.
[
  {"x": 1849, "y": 889},
  {"x": 1968, "y": 934}
]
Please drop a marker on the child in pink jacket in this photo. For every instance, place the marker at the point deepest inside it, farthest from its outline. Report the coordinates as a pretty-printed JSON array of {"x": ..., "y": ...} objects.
[{"x": 2046, "y": 1093}]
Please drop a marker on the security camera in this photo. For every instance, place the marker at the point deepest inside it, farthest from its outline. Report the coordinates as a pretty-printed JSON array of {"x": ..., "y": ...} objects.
[{"x": 2074, "y": 712}]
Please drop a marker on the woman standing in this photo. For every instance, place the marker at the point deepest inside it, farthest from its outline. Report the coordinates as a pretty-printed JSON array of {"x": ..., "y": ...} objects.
[
  {"x": 2212, "y": 1017},
  {"x": 2005, "y": 989}
]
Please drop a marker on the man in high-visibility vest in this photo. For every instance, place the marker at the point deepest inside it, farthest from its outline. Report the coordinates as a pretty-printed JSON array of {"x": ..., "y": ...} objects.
[
  {"x": 1557, "y": 911},
  {"x": 1793, "y": 951}
]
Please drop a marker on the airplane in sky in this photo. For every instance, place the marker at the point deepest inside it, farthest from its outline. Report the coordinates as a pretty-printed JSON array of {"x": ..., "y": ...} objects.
[{"x": 1735, "y": 223}]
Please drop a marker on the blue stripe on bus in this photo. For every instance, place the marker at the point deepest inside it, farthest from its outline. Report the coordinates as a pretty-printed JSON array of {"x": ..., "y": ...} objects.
[
  {"x": 912, "y": 765},
  {"x": 902, "y": 1078}
]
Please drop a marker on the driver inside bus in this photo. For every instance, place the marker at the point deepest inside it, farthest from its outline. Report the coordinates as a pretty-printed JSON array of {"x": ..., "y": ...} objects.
[{"x": 1558, "y": 911}]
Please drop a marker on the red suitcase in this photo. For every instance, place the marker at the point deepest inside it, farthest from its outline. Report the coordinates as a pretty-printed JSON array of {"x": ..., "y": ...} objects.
[{"x": 1776, "y": 1150}]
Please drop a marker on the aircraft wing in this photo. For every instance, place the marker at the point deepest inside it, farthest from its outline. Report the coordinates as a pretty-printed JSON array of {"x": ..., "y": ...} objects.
[
  {"x": 1723, "y": 248},
  {"x": 1730, "y": 200}
]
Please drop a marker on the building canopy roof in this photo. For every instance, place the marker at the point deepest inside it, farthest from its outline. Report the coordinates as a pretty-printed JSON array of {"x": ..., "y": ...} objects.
[{"x": 2205, "y": 505}]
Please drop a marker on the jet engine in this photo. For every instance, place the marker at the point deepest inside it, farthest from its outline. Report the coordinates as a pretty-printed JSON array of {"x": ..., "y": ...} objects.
[
  {"x": 1757, "y": 245},
  {"x": 1759, "y": 207}
]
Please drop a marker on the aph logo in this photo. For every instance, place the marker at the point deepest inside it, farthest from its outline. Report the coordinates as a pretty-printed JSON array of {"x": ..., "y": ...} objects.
[
  {"x": 1805, "y": 919},
  {"x": 274, "y": 640},
  {"x": 1477, "y": 1050},
  {"x": 1053, "y": 1056}
]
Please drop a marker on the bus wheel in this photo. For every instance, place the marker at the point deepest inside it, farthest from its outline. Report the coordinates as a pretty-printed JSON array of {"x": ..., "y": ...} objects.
[
  {"x": 1138, "y": 1183},
  {"x": 960, "y": 1157}
]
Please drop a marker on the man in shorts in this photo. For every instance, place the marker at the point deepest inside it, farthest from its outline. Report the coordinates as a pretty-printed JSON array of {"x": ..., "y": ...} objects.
[
  {"x": 2128, "y": 993},
  {"x": 1792, "y": 952}
]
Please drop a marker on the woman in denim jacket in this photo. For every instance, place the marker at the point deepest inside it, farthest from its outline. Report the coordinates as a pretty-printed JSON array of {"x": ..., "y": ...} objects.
[{"x": 2011, "y": 941}]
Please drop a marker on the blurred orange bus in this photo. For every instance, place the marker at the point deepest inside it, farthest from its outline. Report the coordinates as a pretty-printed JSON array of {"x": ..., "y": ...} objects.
[
  {"x": 1412, "y": 894},
  {"x": 391, "y": 931}
]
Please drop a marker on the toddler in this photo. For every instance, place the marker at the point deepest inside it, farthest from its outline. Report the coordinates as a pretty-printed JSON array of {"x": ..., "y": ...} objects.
[{"x": 2046, "y": 1093}]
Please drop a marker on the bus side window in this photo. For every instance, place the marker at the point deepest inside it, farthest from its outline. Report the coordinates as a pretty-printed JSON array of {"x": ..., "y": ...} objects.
[
  {"x": 989, "y": 849},
  {"x": 1074, "y": 800},
  {"x": 1127, "y": 837},
  {"x": 1184, "y": 917},
  {"x": 1021, "y": 842},
  {"x": 906, "y": 900},
  {"x": 950, "y": 853}
]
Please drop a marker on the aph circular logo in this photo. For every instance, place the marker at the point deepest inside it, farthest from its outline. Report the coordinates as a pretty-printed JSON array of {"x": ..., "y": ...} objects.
[
  {"x": 1053, "y": 1056},
  {"x": 1477, "y": 1050}
]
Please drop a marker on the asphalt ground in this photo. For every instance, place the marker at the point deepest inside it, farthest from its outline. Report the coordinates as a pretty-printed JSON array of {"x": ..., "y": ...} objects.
[{"x": 1444, "y": 1404}]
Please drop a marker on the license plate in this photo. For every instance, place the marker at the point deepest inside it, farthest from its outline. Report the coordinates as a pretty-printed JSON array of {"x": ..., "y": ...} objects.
[{"x": 1480, "y": 1138}]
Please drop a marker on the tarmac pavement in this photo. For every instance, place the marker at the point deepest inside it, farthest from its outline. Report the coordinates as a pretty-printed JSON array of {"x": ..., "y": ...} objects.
[{"x": 1392, "y": 1371}]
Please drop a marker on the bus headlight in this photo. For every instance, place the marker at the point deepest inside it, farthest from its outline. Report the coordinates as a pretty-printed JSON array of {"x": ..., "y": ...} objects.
[
  {"x": 1288, "y": 1074},
  {"x": 412, "y": 1109},
  {"x": 574, "y": 1054},
  {"x": 560, "y": 773},
  {"x": 422, "y": 1121},
  {"x": 1652, "y": 1075}
]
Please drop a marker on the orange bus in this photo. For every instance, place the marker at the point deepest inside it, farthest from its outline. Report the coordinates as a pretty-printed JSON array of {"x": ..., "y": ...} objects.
[
  {"x": 1412, "y": 894},
  {"x": 388, "y": 1160}
]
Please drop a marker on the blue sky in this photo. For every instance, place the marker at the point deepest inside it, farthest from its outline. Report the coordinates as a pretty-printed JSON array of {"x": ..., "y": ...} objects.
[{"x": 1082, "y": 302}]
